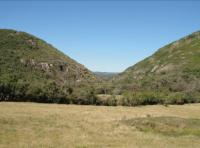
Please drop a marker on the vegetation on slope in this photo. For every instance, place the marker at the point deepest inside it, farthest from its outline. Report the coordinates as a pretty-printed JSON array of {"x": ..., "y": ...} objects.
[
  {"x": 33, "y": 70},
  {"x": 171, "y": 74}
]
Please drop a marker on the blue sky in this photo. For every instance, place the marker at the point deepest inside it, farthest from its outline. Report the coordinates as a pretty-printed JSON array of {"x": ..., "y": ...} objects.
[{"x": 104, "y": 35}]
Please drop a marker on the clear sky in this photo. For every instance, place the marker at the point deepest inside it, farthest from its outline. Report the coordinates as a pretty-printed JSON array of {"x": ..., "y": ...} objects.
[{"x": 103, "y": 35}]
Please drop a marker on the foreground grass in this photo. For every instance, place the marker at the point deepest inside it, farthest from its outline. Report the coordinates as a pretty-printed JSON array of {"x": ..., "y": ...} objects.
[
  {"x": 170, "y": 126},
  {"x": 49, "y": 125}
]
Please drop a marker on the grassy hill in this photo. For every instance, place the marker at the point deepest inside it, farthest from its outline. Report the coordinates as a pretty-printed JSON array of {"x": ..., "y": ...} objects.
[
  {"x": 31, "y": 69},
  {"x": 173, "y": 71}
]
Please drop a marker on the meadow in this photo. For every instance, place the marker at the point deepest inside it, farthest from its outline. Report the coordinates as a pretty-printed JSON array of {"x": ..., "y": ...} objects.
[{"x": 33, "y": 125}]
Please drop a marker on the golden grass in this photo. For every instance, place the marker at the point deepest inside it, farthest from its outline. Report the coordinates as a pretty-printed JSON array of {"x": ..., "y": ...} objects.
[{"x": 32, "y": 125}]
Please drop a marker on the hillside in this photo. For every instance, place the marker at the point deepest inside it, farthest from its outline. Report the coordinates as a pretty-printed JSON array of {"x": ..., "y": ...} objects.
[
  {"x": 31, "y": 68},
  {"x": 175, "y": 68}
]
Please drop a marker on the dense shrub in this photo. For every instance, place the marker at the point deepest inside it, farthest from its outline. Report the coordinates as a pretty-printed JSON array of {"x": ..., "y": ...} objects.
[
  {"x": 150, "y": 98},
  {"x": 52, "y": 93},
  {"x": 181, "y": 98},
  {"x": 142, "y": 98}
]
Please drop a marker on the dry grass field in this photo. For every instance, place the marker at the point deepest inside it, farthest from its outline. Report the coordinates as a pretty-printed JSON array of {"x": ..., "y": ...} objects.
[{"x": 32, "y": 125}]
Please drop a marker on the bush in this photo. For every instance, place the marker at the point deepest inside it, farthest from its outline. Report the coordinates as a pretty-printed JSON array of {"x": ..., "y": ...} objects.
[
  {"x": 112, "y": 101},
  {"x": 142, "y": 98},
  {"x": 150, "y": 98},
  {"x": 83, "y": 97},
  {"x": 174, "y": 98},
  {"x": 181, "y": 98}
]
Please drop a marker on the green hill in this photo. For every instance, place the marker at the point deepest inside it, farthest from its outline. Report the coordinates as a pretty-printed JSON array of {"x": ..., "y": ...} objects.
[
  {"x": 33, "y": 70},
  {"x": 173, "y": 70}
]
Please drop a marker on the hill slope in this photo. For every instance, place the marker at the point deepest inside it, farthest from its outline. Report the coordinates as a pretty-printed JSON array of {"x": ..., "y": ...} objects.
[
  {"x": 30, "y": 67},
  {"x": 173, "y": 68}
]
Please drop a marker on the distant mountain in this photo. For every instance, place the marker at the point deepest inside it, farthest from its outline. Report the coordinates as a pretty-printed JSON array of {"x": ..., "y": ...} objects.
[
  {"x": 106, "y": 75},
  {"x": 32, "y": 68},
  {"x": 173, "y": 68}
]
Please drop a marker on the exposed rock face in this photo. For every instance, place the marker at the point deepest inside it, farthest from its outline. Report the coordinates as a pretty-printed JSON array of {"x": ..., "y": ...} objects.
[
  {"x": 44, "y": 66},
  {"x": 165, "y": 68},
  {"x": 31, "y": 42},
  {"x": 36, "y": 62},
  {"x": 39, "y": 65}
]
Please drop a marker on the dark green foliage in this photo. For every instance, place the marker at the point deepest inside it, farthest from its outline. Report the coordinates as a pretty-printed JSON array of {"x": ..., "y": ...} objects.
[
  {"x": 33, "y": 70},
  {"x": 85, "y": 97},
  {"x": 150, "y": 98},
  {"x": 142, "y": 98}
]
